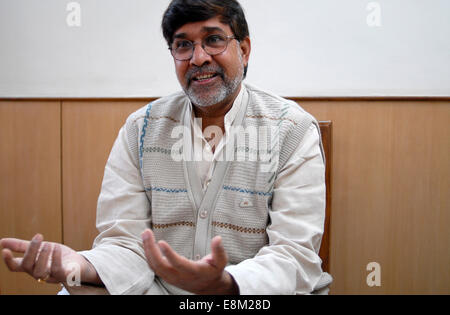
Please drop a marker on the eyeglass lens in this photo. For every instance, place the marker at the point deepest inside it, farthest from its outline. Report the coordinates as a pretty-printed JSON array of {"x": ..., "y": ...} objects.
[{"x": 183, "y": 49}]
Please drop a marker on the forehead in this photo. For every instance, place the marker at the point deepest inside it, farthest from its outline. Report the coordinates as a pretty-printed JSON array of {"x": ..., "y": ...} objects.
[{"x": 203, "y": 27}]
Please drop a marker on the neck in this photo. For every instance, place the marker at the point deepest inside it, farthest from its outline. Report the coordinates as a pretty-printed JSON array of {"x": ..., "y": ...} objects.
[{"x": 214, "y": 115}]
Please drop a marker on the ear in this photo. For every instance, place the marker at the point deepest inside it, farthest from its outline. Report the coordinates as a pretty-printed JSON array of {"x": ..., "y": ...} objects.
[{"x": 246, "y": 48}]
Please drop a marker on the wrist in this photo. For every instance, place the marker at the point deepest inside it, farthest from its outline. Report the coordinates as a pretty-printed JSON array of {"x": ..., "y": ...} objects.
[
  {"x": 227, "y": 285},
  {"x": 234, "y": 286},
  {"x": 89, "y": 274}
]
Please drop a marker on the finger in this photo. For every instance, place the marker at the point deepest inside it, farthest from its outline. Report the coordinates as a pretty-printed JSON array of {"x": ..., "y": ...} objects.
[
  {"x": 219, "y": 256},
  {"x": 41, "y": 268},
  {"x": 177, "y": 261},
  {"x": 153, "y": 252},
  {"x": 13, "y": 264},
  {"x": 15, "y": 244},
  {"x": 29, "y": 258}
]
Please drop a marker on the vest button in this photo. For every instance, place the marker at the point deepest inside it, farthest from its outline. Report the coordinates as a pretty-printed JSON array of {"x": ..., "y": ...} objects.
[{"x": 204, "y": 214}]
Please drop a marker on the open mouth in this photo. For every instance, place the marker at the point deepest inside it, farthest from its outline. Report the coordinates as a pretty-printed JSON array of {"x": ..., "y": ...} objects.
[{"x": 204, "y": 77}]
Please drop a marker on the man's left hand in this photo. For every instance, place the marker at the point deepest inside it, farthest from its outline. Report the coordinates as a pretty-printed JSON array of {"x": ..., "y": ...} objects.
[{"x": 205, "y": 276}]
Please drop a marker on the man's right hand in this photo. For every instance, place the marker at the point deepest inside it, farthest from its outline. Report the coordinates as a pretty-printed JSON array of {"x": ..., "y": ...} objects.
[{"x": 47, "y": 261}]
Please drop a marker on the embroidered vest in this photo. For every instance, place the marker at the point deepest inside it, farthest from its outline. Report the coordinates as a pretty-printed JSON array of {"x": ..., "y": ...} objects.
[{"x": 237, "y": 202}]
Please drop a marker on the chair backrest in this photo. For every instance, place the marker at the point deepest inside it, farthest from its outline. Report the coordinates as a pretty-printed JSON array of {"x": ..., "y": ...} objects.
[{"x": 324, "y": 253}]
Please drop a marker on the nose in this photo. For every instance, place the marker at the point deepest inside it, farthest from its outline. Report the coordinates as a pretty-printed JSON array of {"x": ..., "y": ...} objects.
[{"x": 199, "y": 56}]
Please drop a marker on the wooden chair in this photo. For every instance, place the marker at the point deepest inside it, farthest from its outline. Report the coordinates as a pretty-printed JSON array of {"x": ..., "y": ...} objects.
[{"x": 324, "y": 253}]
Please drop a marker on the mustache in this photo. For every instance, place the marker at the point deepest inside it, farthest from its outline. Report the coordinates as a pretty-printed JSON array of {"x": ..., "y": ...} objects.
[{"x": 203, "y": 69}]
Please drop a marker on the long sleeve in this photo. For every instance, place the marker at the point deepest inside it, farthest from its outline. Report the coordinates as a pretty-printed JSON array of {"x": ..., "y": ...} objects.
[
  {"x": 123, "y": 213},
  {"x": 290, "y": 263}
]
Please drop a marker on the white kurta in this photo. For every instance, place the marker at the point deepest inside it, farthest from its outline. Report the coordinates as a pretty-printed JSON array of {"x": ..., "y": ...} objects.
[
  {"x": 298, "y": 211},
  {"x": 295, "y": 230}
]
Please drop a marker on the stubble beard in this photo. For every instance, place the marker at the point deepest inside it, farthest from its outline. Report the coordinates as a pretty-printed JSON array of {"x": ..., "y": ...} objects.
[{"x": 227, "y": 87}]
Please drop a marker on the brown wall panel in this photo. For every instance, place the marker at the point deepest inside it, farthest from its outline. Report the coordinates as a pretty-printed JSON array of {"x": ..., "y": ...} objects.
[
  {"x": 30, "y": 182},
  {"x": 390, "y": 185},
  {"x": 390, "y": 194},
  {"x": 89, "y": 130}
]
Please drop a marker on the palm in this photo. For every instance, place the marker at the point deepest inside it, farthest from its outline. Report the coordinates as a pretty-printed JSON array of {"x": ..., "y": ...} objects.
[
  {"x": 60, "y": 260},
  {"x": 70, "y": 260}
]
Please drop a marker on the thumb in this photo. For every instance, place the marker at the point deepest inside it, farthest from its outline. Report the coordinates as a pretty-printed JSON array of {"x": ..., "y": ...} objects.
[{"x": 219, "y": 256}]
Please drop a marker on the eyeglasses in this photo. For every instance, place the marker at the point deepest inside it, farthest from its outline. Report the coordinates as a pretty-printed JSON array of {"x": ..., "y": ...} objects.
[{"x": 183, "y": 49}]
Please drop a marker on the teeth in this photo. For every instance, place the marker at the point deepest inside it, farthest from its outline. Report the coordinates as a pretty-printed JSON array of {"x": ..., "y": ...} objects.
[{"x": 204, "y": 77}]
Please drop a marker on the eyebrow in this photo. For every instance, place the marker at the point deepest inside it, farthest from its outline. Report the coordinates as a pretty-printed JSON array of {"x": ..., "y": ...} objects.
[
  {"x": 206, "y": 29},
  {"x": 212, "y": 29}
]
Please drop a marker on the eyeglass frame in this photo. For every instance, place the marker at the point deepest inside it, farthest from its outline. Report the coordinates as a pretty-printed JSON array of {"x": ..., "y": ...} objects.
[{"x": 228, "y": 39}]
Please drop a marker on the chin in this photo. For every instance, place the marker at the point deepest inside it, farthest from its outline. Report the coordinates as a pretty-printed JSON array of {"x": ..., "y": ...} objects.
[{"x": 207, "y": 100}]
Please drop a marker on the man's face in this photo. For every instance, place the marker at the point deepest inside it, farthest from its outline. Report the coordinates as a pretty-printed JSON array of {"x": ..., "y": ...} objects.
[{"x": 211, "y": 80}]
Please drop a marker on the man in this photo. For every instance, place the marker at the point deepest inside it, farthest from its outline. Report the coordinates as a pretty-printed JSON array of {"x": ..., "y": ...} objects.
[{"x": 171, "y": 223}]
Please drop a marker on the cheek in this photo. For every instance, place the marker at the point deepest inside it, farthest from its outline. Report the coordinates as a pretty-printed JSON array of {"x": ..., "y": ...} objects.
[{"x": 232, "y": 63}]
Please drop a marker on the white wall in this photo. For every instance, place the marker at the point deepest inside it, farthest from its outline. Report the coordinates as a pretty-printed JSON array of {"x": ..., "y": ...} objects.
[{"x": 300, "y": 48}]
